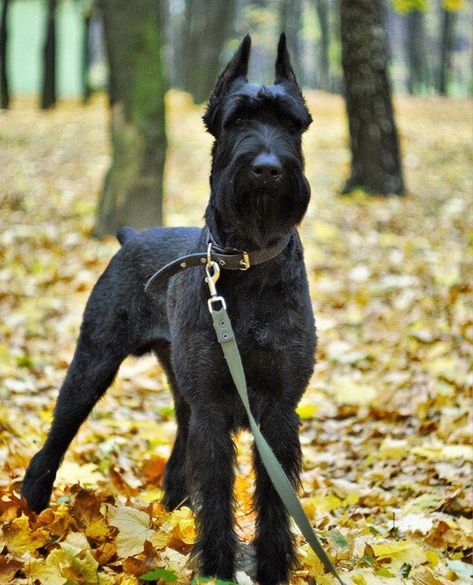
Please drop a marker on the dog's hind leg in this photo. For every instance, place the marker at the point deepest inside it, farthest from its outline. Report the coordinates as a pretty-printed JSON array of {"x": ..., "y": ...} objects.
[
  {"x": 101, "y": 347},
  {"x": 90, "y": 374},
  {"x": 274, "y": 543},
  {"x": 175, "y": 484}
]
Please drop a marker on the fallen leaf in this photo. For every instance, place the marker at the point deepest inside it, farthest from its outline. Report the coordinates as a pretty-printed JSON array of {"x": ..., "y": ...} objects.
[
  {"x": 134, "y": 528},
  {"x": 20, "y": 539}
]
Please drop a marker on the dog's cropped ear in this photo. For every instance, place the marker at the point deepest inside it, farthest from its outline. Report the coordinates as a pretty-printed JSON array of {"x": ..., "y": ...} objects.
[
  {"x": 284, "y": 71},
  {"x": 237, "y": 68}
]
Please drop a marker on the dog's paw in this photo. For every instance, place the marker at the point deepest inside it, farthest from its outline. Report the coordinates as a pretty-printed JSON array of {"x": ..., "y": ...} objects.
[
  {"x": 174, "y": 501},
  {"x": 246, "y": 564},
  {"x": 38, "y": 483}
]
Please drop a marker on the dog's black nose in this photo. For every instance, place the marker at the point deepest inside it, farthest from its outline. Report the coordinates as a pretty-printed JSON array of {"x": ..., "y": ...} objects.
[{"x": 267, "y": 167}]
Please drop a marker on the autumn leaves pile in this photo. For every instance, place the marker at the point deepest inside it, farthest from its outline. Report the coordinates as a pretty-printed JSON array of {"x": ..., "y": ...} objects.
[{"x": 386, "y": 425}]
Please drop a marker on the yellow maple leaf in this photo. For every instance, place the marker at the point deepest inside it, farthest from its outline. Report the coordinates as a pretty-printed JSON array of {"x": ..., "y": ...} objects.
[
  {"x": 393, "y": 448},
  {"x": 317, "y": 570},
  {"x": 307, "y": 411},
  {"x": 134, "y": 528},
  {"x": 323, "y": 503},
  {"x": 367, "y": 577},
  {"x": 325, "y": 232},
  {"x": 432, "y": 557},
  {"x": 387, "y": 550},
  {"x": 47, "y": 571},
  {"x": 426, "y": 577},
  {"x": 349, "y": 392},
  {"x": 440, "y": 452},
  {"x": 20, "y": 539},
  {"x": 183, "y": 525},
  {"x": 81, "y": 566},
  {"x": 400, "y": 552},
  {"x": 71, "y": 472},
  {"x": 129, "y": 580},
  {"x": 97, "y": 529}
]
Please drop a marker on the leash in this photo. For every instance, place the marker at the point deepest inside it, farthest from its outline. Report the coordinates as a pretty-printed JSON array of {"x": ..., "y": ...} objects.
[
  {"x": 226, "y": 338},
  {"x": 215, "y": 258}
]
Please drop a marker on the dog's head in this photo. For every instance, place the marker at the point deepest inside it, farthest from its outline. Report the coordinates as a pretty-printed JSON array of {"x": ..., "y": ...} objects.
[{"x": 258, "y": 187}]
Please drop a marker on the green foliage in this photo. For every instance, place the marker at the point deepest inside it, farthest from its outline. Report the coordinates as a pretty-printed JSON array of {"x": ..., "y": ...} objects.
[
  {"x": 160, "y": 575},
  {"x": 339, "y": 540},
  {"x": 406, "y": 6}
]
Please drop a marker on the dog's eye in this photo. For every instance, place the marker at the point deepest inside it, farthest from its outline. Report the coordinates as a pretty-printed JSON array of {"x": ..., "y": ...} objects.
[
  {"x": 292, "y": 124},
  {"x": 238, "y": 121}
]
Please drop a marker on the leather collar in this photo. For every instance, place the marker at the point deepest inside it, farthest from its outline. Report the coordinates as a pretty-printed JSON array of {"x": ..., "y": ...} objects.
[{"x": 227, "y": 258}]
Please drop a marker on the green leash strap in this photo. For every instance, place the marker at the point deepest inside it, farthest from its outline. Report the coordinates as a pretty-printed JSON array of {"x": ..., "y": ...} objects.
[{"x": 281, "y": 483}]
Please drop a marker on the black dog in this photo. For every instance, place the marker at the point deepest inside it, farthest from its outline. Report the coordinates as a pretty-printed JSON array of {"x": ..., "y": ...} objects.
[{"x": 258, "y": 195}]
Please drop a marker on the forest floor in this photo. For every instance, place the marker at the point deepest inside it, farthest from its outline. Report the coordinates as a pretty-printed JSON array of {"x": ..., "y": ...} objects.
[{"x": 386, "y": 421}]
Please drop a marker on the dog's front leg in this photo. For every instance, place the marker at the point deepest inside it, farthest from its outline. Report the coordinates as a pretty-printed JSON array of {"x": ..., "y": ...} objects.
[
  {"x": 210, "y": 459},
  {"x": 274, "y": 542}
]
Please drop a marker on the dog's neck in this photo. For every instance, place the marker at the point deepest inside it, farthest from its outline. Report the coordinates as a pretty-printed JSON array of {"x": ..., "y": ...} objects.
[{"x": 234, "y": 236}]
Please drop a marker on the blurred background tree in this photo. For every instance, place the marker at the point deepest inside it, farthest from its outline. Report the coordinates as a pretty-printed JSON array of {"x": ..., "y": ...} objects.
[
  {"x": 4, "y": 90},
  {"x": 132, "y": 192},
  {"x": 414, "y": 46},
  {"x": 200, "y": 62},
  {"x": 447, "y": 42},
  {"x": 376, "y": 162},
  {"x": 322, "y": 8},
  {"x": 48, "y": 89}
]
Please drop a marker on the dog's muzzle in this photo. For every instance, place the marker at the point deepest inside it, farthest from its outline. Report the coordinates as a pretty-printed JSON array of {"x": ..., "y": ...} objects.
[{"x": 267, "y": 168}]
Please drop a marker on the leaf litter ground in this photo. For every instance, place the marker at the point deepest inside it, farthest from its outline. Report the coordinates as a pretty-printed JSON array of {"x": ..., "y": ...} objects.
[{"x": 386, "y": 422}]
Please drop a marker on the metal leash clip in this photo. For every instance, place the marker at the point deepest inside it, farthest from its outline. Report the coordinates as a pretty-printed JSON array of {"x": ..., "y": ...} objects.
[{"x": 212, "y": 270}]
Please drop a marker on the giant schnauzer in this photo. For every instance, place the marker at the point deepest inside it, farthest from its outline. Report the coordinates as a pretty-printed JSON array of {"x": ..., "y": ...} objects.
[{"x": 259, "y": 194}]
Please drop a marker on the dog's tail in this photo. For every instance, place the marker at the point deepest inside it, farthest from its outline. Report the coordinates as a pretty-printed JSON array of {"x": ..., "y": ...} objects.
[{"x": 126, "y": 233}]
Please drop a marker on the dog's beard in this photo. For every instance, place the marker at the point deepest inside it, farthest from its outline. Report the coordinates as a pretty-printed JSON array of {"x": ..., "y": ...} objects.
[{"x": 258, "y": 212}]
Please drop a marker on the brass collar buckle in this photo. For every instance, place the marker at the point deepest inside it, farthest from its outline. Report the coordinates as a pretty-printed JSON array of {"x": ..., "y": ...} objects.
[{"x": 245, "y": 261}]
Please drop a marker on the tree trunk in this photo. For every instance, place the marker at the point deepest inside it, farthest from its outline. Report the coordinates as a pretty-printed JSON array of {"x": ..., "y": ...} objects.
[
  {"x": 322, "y": 9},
  {"x": 207, "y": 26},
  {"x": 336, "y": 74},
  {"x": 4, "y": 93},
  {"x": 290, "y": 19},
  {"x": 48, "y": 93},
  {"x": 376, "y": 163},
  {"x": 415, "y": 49},
  {"x": 446, "y": 46},
  {"x": 132, "y": 193},
  {"x": 85, "y": 65}
]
